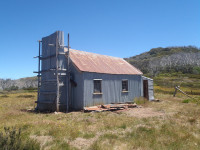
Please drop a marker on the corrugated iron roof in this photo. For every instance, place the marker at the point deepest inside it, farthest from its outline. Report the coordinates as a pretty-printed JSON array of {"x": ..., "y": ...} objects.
[{"x": 91, "y": 62}]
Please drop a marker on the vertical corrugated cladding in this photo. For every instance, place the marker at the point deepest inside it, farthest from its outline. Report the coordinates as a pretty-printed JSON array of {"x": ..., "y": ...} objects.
[
  {"x": 47, "y": 101},
  {"x": 111, "y": 88},
  {"x": 76, "y": 88},
  {"x": 151, "y": 91},
  {"x": 47, "y": 97}
]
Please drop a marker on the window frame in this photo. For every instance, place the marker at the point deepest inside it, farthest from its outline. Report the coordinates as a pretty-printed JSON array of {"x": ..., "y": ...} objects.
[
  {"x": 94, "y": 89},
  {"x": 127, "y": 87}
]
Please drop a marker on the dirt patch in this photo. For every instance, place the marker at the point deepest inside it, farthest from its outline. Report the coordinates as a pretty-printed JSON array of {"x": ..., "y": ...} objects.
[
  {"x": 82, "y": 143},
  {"x": 143, "y": 112},
  {"x": 42, "y": 139}
]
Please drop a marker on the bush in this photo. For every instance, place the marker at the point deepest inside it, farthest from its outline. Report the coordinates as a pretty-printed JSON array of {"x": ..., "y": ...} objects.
[
  {"x": 30, "y": 88},
  {"x": 11, "y": 139},
  {"x": 196, "y": 70},
  {"x": 186, "y": 101},
  {"x": 4, "y": 96},
  {"x": 12, "y": 88}
]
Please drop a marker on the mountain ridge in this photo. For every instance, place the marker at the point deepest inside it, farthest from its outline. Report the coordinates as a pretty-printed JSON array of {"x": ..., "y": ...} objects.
[
  {"x": 185, "y": 59},
  {"x": 18, "y": 83}
]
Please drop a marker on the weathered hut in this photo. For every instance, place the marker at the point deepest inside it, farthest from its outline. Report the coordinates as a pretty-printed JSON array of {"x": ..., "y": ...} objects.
[{"x": 71, "y": 79}]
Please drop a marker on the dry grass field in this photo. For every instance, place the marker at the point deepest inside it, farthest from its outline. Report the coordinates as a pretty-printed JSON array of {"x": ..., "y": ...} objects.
[{"x": 172, "y": 123}]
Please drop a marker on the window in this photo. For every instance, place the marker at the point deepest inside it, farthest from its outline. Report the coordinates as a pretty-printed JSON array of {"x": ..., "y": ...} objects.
[
  {"x": 124, "y": 85},
  {"x": 97, "y": 86}
]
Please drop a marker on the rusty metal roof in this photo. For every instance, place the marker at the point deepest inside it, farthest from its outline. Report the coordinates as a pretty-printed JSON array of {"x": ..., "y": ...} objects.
[{"x": 91, "y": 62}]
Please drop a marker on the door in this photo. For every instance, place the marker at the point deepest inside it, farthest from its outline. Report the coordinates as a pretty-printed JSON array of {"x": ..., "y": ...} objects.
[{"x": 145, "y": 89}]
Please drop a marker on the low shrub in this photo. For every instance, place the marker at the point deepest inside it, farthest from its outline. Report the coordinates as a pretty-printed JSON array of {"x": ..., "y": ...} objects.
[
  {"x": 11, "y": 139},
  {"x": 30, "y": 88},
  {"x": 12, "y": 88},
  {"x": 186, "y": 101},
  {"x": 123, "y": 126},
  {"x": 4, "y": 96}
]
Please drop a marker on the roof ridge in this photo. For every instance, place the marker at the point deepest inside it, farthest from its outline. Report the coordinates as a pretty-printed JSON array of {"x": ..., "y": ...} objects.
[{"x": 94, "y": 53}]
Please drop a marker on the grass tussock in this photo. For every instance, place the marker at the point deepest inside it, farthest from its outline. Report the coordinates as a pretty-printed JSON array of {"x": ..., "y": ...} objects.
[
  {"x": 140, "y": 100},
  {"x": 88, "y": 135},
  {"x": 195, "y": 100}
]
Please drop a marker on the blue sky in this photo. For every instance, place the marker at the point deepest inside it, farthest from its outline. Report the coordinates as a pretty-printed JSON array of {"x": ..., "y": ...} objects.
[{"x": 120, "y": 28}]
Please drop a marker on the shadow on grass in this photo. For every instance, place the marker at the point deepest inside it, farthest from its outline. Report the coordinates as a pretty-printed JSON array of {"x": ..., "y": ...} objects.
[
  {"x": 35, "y": 111},
  {"x": 26, "y": 96}
]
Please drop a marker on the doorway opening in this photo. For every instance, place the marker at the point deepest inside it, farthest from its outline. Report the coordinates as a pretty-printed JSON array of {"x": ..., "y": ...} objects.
[{"x": 145, "y": 89}]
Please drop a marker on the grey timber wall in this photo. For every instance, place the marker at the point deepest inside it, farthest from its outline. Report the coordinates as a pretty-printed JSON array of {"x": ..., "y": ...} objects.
[
  {"x": 150, "y": 87},
  {"x": 111, "y": 88},
  {"x": 76, "y": 91},
  {"x": 47, "y": 96}
]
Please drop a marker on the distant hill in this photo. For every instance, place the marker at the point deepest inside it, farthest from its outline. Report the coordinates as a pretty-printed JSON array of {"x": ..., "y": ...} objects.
[
  {"x": 158, "y": 60},
  {"x": 170, "y": 59},
  {"x": 19, "y": 83}
]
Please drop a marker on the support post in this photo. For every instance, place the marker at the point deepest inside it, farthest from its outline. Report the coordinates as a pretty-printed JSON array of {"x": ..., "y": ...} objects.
[
  {"x": 39, "y": 78},
  {"x": 57, "y": 78},
  {"x": 175, "y": 91},
  {"x": 68, "y": 78}
]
